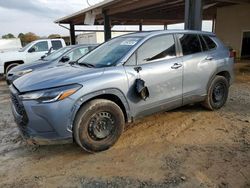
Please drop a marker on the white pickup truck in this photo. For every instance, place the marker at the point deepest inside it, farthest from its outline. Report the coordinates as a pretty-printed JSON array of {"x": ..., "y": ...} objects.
[{"x": 28, "y": 54}]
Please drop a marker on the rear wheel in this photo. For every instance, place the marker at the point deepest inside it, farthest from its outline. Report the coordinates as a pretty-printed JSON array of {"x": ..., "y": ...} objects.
[
  {"x": 98, "y": 125},
  {"x": 217, "y": 93}
]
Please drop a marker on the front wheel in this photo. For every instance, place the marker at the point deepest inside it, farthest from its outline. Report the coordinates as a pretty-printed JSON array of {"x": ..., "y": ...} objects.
[
  {"x": 10, "y": 66},
  {"x": 217, "y": 93},
  {"x": 98, "y": 125}
]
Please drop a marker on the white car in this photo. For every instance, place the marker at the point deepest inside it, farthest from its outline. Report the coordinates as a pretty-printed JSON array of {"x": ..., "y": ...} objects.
[{"x": 28, "y": 54}]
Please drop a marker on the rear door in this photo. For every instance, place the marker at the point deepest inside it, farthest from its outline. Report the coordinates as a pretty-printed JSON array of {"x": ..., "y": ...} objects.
[
  {"x": 156, "y": 63},
  {"x": 198, "y": 65},
  {"x": 56, "y": 44}
]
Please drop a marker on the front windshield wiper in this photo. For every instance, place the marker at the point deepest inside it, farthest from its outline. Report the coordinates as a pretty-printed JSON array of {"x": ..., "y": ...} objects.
[{"x": 87, "y": 64}]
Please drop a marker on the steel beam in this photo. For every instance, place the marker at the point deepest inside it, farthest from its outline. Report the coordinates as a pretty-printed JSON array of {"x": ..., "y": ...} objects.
[
  {"x": 193, "y": 14},
  {"x": 140, "y": 27},
  {"x": 107, "y": 27},
  {"x": 72, "y": 34}
]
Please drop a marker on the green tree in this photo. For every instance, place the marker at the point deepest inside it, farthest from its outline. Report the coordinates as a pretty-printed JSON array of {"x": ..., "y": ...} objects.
[
  {"x": 8, "y": 36},
  {"x": 29, "y": 37}
]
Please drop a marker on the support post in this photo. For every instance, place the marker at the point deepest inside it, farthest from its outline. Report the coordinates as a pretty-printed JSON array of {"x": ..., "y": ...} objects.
[
  {"x": 193, "y": 14},
  {"x": 107, "y": 27},
  {"x": 72, "y": 34},
  {"x": 214, "y": 24},
  {"x": 140, "y": 27},
  {"x": 165, "y": 27}
]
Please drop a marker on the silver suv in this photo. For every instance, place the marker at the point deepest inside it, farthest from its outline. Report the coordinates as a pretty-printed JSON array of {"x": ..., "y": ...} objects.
[{"x": 89, "y": 101}]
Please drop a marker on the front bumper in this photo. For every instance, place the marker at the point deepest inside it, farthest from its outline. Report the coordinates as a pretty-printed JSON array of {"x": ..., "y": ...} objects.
[
  {"x": 10, "y": 78},
  {"x": 42, "y": 124}
]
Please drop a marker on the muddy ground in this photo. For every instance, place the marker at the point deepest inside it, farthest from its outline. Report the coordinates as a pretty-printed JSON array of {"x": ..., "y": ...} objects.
[{"x": 187, "y": 147}]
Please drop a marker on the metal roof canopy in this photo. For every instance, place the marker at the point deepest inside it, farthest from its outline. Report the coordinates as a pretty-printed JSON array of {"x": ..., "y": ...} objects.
[{"x": 149, "y": 12}]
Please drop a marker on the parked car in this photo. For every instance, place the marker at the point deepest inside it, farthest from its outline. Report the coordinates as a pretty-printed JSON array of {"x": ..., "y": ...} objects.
[
  {"x": 123, "y": 79},
  {"x": 28, "y": 54},
  {"x": 64, "y": 55}
]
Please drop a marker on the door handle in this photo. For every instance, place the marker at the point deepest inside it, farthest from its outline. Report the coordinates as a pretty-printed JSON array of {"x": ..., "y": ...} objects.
[
  {"x": 137, "y": 69},
  {"x": 209, "y": 58},
  {"x": 176, "y": 66}
]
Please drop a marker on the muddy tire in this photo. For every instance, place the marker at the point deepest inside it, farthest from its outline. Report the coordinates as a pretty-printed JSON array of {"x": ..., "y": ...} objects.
[
  {"x": 217, "y": 93},
  {"x": 98, "y": 125}
]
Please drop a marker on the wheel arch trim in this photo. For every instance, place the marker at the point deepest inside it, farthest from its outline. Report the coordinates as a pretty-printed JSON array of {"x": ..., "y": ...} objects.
[
  {"x": 98, "y": 94},
  {"x": 7, "y": 63},
  {"x": 217, "y": 72}
]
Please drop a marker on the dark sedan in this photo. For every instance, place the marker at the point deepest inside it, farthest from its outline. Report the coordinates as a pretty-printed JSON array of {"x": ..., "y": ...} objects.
[{"x": 64, "y": 55}]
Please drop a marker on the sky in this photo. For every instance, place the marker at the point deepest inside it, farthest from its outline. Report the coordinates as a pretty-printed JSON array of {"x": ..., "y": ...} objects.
[{"x": 38, "y": 16}]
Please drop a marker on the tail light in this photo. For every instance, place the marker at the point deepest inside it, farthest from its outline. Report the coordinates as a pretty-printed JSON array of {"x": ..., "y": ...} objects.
[{"x": 232, "y": 53}]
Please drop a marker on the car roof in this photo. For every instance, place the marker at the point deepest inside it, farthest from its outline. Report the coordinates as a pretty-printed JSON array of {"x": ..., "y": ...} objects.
[
  {"x": 81, "y": 45},
  {"x": 159, "y": 32}
]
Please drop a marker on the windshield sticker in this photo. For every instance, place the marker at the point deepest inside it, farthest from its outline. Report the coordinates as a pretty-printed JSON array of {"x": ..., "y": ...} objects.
[{"x": 129, "y": 42}]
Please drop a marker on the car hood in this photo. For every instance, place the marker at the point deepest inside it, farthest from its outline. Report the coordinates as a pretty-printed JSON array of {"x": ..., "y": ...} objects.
[
  {"x": 56, "y": 76},
  {"x": 35, "y": 65}
]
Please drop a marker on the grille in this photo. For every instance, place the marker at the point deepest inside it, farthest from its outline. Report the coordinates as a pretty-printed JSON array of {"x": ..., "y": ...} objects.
[{"x": 20, "y": 110}]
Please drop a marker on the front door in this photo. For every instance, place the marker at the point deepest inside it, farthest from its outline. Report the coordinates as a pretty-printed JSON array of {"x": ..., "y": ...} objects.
[
  {"x": 156, "y": 63},
  {"x": 39, "y": 49}
]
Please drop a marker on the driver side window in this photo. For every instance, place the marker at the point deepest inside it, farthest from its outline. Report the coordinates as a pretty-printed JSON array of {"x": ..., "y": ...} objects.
[
  {"x": 41, "y": 47},
  {"x": 157, "y": 48}
]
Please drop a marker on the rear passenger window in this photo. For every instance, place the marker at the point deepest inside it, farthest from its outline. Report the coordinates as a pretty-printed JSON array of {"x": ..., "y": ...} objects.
[
  {"x": 56, "y": 44},
  {"x": 210, "y": 43},
  {"x": 157, "y": 48},
  {"x": 190, "y": 44},
  {"x": 203, "y": 44}
]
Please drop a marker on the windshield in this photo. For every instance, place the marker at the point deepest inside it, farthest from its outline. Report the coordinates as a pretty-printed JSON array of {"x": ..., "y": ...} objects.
[
  {"x": 26, "y": 47},
  {"x": 56, "y": 54},
  {"x": 109, "y": 53}
]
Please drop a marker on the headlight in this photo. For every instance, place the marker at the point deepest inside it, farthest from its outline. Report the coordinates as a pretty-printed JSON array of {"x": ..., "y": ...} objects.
[
  {"x": 21, "y": 73},
  {"x": 51, "y": 95}
]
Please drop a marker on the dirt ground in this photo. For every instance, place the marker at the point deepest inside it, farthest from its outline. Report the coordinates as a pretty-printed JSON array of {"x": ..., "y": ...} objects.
[{"x": 187, "y": 147}]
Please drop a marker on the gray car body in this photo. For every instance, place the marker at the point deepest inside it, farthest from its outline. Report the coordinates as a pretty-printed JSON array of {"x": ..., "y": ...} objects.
[
  {"x": 42, "y": 64},
  {"x": 188, "y": 84}
]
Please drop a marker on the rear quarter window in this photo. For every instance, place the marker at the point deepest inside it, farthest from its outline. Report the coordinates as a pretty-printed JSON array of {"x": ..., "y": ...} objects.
[{"x": 210, "y": 43}]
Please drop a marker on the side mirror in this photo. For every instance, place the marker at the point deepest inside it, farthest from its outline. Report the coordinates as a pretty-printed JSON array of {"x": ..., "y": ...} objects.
[
  {"x": 141, "y": 89},
  {"x": 65, "y": 59},
  {"x": 43, "y": 56},
  {"x": 31, "y": 50},
  {"x": 50, "y": 51}
]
